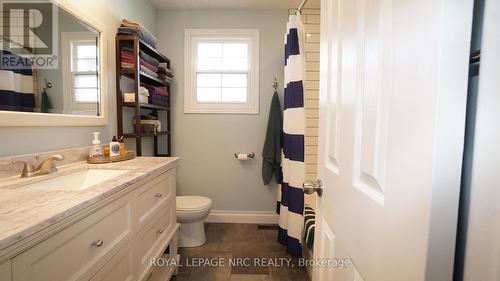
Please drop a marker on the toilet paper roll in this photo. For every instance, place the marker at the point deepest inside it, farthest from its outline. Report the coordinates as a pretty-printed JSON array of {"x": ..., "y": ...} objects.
[{"x": 242, "y": 156}]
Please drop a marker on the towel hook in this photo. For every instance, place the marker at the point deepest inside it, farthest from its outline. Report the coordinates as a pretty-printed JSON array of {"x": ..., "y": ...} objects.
[
  {"x": 48, "y": 85},
  {"x": 275, "y": 84}
]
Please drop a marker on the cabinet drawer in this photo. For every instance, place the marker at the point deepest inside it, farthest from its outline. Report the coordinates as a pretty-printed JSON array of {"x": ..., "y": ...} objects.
[
  {"x": 79, "y": 251},
  {"x": 121, "y": 267},
  {"x": 152, "y": 239},
  {"x": 154, "y": 195}
]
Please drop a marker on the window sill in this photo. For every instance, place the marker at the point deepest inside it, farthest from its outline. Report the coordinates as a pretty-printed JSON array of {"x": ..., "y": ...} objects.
[{"x": 250, "y": 111}]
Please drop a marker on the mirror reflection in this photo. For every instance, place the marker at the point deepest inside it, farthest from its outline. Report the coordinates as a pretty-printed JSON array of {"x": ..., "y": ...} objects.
[{"x": 51, "y": 66}]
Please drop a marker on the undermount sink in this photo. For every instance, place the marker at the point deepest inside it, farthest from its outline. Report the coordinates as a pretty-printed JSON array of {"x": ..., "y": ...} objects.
[{"x": 78, "y": 180}]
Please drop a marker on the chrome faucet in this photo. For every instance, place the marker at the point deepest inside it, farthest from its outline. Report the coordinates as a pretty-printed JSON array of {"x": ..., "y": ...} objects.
[{"x": 47, "y": 167}]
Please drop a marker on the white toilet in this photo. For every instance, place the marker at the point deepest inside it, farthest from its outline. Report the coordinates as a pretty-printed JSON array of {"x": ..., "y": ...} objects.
[{"x": 190, "y": 213}]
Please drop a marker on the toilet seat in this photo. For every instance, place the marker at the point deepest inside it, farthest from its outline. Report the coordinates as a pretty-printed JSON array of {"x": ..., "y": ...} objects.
[{"x": 192, "y": 203}]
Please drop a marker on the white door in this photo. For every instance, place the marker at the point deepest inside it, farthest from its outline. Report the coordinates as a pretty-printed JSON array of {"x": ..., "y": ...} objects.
[
  {"x": 482, "y": 251},
  {"x": 392, "y": 115}
]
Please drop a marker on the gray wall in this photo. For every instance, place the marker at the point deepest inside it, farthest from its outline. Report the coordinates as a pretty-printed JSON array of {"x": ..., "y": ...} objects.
[
  {"x": 20, "y": 140},
  {"x": 206, "y": 142}
]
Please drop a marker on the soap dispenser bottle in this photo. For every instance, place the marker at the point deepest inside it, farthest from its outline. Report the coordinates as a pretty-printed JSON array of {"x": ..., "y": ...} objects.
[
  {"x": 96, "y": 150},
  {"x": 114, "y": 147}
]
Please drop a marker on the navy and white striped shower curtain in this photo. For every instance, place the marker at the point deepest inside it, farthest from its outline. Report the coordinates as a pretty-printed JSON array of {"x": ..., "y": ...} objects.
[
  {"x": 291, "y": 197},
  {"x": 16, "y": 83}
]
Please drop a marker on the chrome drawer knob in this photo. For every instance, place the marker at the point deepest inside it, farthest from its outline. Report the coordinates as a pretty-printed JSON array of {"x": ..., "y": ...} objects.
[
  {"x": 158, "y": 195},
  {"x": 97, "y": 243}
]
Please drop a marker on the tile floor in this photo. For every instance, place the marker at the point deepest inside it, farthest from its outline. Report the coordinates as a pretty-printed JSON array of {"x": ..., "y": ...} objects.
[{"x": 239, "y": 242}]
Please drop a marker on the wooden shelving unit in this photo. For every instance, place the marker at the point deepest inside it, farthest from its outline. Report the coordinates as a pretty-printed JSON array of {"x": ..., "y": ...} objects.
[{"x": 139, "y": 77}]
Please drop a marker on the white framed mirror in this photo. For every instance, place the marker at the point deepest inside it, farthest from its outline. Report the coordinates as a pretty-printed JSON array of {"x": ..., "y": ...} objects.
[{"x": 53, "y": 70}]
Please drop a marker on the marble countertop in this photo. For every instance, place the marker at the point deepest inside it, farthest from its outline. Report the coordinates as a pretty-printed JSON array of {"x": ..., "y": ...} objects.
[{"x": 25, "y": 211}]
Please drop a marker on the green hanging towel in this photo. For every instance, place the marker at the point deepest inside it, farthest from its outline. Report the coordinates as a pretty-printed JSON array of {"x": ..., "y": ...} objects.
[
  {"x": 45, "y": 103},
  {"x": 272, "y": 146}
]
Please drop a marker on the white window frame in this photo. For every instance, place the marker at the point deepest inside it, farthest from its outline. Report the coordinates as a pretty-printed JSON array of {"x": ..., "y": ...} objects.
[
  {"x": 192, "y": 37},
  {"x": 70, "y": 105}
]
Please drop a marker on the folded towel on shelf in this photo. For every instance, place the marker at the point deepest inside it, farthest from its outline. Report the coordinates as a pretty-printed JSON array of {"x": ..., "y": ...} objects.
[
  {"x": 139, "y": 27},
  {"x": 148, "y": 71},
  {"x": 129, "y": 52},
  {"x": 161, "y": 73},
  {"x": 166, "y": 71},
  {"x": 127, "y": 56},
  {"x": 158, "y": 96},
  {"x": 158, "y": 100},
  {"x": 149, "y": 66},
  {"x": 164, "y": 78},
  {"x": 127, "y": 48},
  {"x": 127, "y": 65},
  {"x": 130, "y": 61},
  {"x": 165, "y": 74},
  {"x": 130, "y": 27},
  {"x": 157, "y": 90},
  {"x": 149, "y": 59},
  {"x": 143, "y": 91},
  {"x": 128, "y": 31}
]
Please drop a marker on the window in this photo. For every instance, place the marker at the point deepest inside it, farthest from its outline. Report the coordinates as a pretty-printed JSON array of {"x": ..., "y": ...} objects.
[
  {"x": 84, "y": 71},
  {"x": 80, "y": 71},
  {"x": 221, "y": 71}
]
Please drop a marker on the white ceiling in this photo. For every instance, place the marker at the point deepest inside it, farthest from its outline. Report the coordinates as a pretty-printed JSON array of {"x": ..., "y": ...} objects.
[{"x": 232, "y": 4}]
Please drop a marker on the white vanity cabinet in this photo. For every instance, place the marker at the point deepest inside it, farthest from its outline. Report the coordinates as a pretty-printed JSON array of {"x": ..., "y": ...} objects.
[
  {"x": 5, "y": 271},
  {"x": 121, "y": 267},
  {"x": 78, "y": 251},
  {"x": 151, "y": 240},
  {"x": 112, "y": 242}
]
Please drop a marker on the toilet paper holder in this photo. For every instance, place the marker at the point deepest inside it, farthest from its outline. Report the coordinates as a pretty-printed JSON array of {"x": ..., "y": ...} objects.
[{"x": 249, "y": 155}]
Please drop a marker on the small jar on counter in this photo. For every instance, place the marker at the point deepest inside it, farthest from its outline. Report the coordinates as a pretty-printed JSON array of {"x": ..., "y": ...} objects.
[{"x": 105, "y": 150}]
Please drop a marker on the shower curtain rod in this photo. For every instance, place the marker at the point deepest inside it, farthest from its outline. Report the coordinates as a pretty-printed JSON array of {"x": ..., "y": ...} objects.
[{"x": 301, "y": 6}]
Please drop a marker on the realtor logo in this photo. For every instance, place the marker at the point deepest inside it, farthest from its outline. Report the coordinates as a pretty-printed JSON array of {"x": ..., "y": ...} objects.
[{"x": 30, "y": 30}]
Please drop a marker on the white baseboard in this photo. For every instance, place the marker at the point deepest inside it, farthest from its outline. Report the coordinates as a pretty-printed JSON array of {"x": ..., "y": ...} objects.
[{"x": 257, "y": 217}]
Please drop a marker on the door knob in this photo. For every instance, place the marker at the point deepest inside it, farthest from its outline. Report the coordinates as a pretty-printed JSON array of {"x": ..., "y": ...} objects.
[{"x": 313, "y": 186}]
